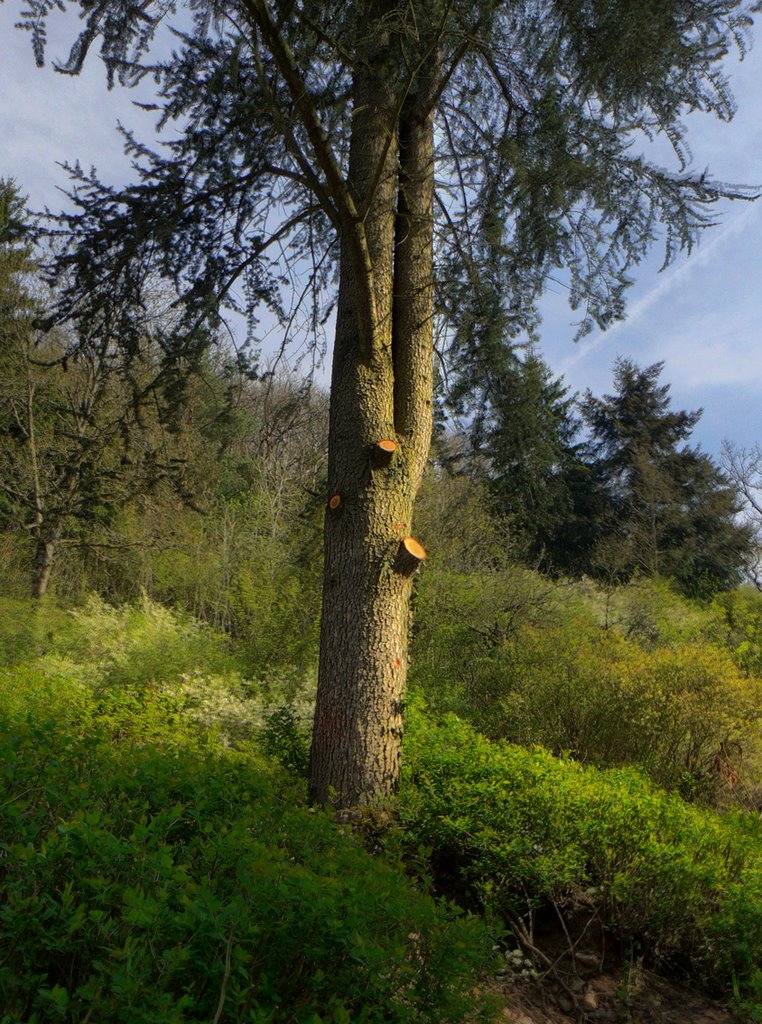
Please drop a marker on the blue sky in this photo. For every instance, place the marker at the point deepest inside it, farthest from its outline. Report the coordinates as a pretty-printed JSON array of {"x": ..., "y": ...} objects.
[{"x": 702, "y": 315}]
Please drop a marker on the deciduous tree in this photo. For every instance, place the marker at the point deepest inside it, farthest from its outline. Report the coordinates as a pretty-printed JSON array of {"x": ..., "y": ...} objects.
[
  {"x": 743, "y": 467},
  {"x": 79, "y": 432}
]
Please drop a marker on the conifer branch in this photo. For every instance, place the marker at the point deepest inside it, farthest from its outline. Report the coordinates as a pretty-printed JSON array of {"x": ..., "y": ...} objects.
[
  {"x": 333, "y": 192},
  {"x": 335, "y": 184}
]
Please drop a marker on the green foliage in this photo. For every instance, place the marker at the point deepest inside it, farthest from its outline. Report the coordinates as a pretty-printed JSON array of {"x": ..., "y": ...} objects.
[
  {"x": 453, "y": 514},
  {"x": 462, "y": 621},
  {"x": 648, "y": 611},
  {"x": 151, "y": 876},
  {"x": 144, "y": 655},
  {"x": 16, "y": 265},
  {"x": 632, "y": 499},
  {"x": 525, "y": 430},
  {"x": 737, "y": 624},
  {"x": 519, "y": 829},
  {"x": 244, "y": 555},
  {"x": 137, "y": 644},
  {"x": 285, "y": 739},
  {"x": 27, "y": 628},
  {"x": 154, "y": 863},
  {"x": 670, "y": 510},
  {"x": 241, "y": 568},
  {"x": 634, "y": 676}
]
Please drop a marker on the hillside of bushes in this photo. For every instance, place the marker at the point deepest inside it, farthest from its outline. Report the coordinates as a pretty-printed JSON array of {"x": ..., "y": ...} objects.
[{"x": 159, "y": 862}]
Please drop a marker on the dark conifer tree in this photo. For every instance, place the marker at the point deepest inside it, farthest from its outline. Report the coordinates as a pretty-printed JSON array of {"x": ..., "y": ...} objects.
[
  {"x": 672, "y": 510},
  {"x": 525, "y": 432},
  {"x": 305, "y": 132},
  {"x": 16, "y": 265}
]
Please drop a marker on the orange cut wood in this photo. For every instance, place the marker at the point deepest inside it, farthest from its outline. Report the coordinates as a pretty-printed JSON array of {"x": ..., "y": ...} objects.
[
  {"x": 334, "y": 502},
  {"x": 410, "y": 555},
  {"x": 383, "y": 451},
  {"x": 414, "y": 548}
]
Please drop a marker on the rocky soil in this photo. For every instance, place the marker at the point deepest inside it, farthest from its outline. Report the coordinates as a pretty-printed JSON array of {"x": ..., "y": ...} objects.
[{"x": 637, "y": 998}]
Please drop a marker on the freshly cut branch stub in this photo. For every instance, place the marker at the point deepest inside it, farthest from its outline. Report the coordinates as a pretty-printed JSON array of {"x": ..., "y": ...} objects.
[
  {"x": 383, "y": 451},
  {"x": 409, "y": 556},
  {"x": 334, "y": 501}
]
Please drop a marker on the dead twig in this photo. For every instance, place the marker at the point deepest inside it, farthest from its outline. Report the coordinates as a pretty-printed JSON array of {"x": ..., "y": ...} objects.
[{"x": 225, "y": 980}]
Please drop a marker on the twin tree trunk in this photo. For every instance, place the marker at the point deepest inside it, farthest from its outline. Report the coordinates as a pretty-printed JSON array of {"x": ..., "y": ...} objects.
[{"x": 381, "y": 389}]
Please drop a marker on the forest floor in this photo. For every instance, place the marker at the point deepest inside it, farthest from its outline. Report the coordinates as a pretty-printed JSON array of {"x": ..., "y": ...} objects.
[
  {"x": 598, "y": 987},
  {"x": 638, "y": 997}
]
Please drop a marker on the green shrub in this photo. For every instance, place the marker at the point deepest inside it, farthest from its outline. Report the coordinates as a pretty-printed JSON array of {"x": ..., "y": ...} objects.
[
  {"x": 27, "y": 628},
  {"x": 249, "y": 567},
  {"x": 463, "y": 621},
  {"x": 136, "y": 644},
  {"x": 522, "y": 828},
  {"x": 146, "y": 655},
  {"x": 523, "y": 660},
  {"x": 286, "y": 739},
  {"x": 737, "y": 624},
  {"x": 686, "y": 716},
  {"x": 171, "y": 882}
]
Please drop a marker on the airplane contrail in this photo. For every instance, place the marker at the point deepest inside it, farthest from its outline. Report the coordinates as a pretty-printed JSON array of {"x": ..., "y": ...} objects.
[{"x": 670, "y": 281}]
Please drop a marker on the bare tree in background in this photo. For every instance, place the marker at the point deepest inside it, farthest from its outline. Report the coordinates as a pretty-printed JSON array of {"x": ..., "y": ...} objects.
[{"x": 743, "y": 467}]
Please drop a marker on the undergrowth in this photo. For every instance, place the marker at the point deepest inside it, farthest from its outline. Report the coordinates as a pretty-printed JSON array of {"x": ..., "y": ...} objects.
[
  {"x": 158, "y": 865},
  {"x": 514, "y": 830},
  {"x": 151, "y": 875}
]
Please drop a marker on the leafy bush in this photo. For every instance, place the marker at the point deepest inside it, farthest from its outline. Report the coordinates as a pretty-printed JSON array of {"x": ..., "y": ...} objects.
[
  {"x": 149, "y": 656},
  {"x": 521, "y": 829},
  {"x": 685, "y": 716},
  {"x": 27, "y": 628},
  {"x": 286, "y": 739},
  {"x": 137, "y": 644},
  {"x": 647, "y": 611},
  {"x": 462, "y": 622},
  {"x": 249, "y": 567},
  {"x": 179, "y": 881},
  {"x": 16, "y": 559},
  {"x": 523, "y": 660},
  {"x": 737, "y": 624}
]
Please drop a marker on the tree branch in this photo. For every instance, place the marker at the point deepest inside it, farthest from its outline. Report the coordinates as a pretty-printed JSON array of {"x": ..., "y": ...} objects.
[
  {"x": 259, "y": 13},
  {"x": 333, "y": 192}
]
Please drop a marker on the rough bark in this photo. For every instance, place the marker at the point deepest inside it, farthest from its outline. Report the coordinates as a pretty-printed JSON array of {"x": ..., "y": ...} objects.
[{"x": 388, "y": 394}]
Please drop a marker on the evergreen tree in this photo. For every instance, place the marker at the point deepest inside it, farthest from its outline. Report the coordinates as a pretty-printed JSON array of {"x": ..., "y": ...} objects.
[
  {"x": 526, "y": 430},
  {"x": 308, "y": 129},
  {"x": 671, "y": 509},
  {"x": 16, "y": 266}
]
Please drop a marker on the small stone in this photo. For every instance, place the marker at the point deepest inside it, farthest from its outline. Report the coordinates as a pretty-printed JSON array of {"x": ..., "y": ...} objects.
[{"x": 590, "y": 1000}]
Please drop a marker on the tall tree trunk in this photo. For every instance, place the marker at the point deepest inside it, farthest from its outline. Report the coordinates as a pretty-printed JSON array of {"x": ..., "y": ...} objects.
[
  {"x": 386, "y": 395},
  {"x": 44, "y": 557}
]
